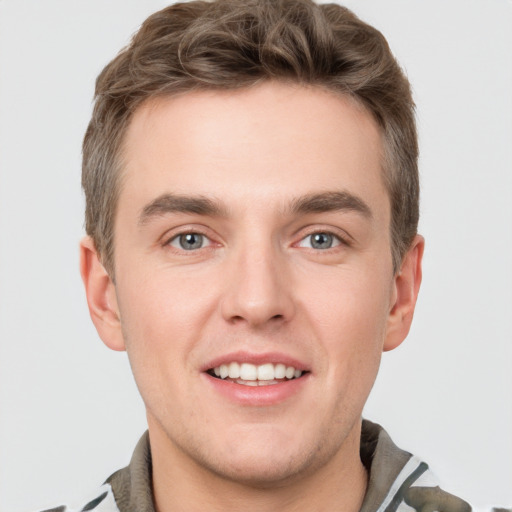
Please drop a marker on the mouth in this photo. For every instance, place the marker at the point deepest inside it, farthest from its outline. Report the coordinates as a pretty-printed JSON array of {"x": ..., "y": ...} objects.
[{"x": 248, "y": 374}]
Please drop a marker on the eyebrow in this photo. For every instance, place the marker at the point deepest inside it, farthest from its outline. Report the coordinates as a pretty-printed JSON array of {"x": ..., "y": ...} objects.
[
  {"x": 329, "y": 202},
  {"x": 200, "y": 205},
  {"x": 173, "y": 203}
]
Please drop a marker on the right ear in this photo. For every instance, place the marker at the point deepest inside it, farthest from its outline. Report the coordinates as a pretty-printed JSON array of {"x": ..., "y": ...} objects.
[{"x": 101, "y": 296}]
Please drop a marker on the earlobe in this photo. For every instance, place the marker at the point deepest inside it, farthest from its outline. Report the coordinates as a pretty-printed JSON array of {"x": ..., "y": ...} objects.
[
  {"x": 101, "y": 296},
  {"x": 406, "y": 287}
]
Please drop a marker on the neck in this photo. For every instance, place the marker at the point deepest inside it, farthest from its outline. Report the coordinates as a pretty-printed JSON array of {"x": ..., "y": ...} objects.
[{"x": 182, "y": 485}]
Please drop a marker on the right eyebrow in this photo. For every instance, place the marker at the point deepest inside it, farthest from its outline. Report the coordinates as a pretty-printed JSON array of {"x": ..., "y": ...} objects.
[{"x": 174, "y": 203}]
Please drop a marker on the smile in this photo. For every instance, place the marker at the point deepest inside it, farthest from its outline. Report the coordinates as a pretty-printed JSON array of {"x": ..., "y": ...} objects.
[{"x": 248, "y": 374}]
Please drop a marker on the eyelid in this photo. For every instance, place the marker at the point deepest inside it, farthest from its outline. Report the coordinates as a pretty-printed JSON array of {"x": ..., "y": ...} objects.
[
  {"x": 341, "y": 235},
  {"x": 172, "y": 234},
  {"x": 177, "y": 238},
  {"x": 336, "y": 242}
]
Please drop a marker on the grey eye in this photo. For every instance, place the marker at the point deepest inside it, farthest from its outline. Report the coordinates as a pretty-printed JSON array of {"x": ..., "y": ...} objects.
[
  {"x": 189, "y": 241},
  {"x": 321, "y": 240}
]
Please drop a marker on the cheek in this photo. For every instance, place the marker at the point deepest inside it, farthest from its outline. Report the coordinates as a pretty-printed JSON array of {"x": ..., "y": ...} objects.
[
  {"x": 163, "y": 318},
  {"x": 165, "y": 305},
  {"x": 349, "y": 303},
  {"x": 349, "y": 314}
]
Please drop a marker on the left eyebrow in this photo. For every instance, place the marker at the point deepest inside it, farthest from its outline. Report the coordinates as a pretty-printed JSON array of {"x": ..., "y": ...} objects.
[{"x": 329, "y": 202}]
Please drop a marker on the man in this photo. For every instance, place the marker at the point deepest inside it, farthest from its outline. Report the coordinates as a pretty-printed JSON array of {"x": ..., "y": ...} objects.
[{"x": 250, "y": 173}]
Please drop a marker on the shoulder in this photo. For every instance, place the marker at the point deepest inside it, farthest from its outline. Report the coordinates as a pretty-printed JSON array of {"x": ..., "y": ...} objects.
[
  {"x": 128, "y": 489},
  {"x": 402, "y": 482},
  {"x": 100, "y": 501}
]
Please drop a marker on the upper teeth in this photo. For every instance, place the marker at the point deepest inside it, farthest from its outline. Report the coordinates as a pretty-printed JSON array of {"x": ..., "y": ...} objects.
[{"x": 247, "y": 371}]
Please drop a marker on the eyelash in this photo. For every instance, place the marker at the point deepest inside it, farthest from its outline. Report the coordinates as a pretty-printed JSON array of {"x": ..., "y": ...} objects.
[
  {"x": 176, "y": 236},
  {"x": 337, "y": 240}
]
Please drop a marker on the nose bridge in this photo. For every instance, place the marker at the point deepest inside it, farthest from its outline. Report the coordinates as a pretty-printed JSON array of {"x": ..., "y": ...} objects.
[{"x": 257, "y": 288}]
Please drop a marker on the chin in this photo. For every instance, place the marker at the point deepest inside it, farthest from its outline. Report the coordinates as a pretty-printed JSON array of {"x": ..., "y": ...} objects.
[
  {"x": 262, "y": 473},
  {"x": 264, "y": 462}
]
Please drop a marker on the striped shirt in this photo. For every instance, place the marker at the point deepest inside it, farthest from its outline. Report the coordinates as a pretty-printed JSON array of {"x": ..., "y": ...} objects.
[{"x": 398, "y": 482}]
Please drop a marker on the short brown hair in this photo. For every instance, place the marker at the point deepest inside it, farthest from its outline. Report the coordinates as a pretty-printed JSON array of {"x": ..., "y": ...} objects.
[{"x": 229, "y": 44}]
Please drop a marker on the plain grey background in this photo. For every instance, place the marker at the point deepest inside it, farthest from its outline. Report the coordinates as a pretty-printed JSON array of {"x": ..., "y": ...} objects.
[{"x": 69, "y": 410}]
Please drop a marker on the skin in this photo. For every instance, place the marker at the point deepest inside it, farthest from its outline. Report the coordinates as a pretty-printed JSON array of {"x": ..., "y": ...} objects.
[{"x": 257, "y": 285}]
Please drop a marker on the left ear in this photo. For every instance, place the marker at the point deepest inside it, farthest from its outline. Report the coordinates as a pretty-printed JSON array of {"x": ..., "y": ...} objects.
[{"x": 406, "y": 287}]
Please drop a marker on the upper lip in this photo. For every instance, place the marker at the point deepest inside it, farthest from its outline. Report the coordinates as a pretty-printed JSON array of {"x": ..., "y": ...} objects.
[{"x": 256, "y": 359}]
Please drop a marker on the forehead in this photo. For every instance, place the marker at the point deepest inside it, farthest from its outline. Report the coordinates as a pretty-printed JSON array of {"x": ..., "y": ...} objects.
[{"x": 273, "y": 140}]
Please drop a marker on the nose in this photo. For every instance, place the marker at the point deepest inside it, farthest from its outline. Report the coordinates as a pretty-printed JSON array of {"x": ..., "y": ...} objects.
[{"x": 258, "y": 289}]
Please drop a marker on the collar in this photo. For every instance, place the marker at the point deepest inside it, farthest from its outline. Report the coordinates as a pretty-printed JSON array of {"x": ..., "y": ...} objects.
[{"x": 385, "y": 462}]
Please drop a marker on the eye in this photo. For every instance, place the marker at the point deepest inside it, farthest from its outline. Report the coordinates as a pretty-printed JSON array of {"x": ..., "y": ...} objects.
[
  {"x": 190, "y": 241},
  {"x": 320, "y": 240}
]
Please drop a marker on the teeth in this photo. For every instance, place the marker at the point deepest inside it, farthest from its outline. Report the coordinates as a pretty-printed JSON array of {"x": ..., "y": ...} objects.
[
  {"x": 252, "y": 375},
  {"x": 290, "y": 372},
  {"x": 256, "y": 383},
  {"x": 266, "y": 372},
  {"x": 234, "y": 371},
  {"x": 248, "y": 372},
  {"x": 247, "y": 382},
  {"x": 223, "y": 370},
  {"x": 279, "y": 371}
]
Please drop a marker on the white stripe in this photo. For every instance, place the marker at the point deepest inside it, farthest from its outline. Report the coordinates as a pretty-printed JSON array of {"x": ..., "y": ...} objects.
[
  {"x": 411, "y": 466},
  {"x": 403, "y": 507},
  {"x": 108, "y": 504},
  {"x": 427, "y": 479}
]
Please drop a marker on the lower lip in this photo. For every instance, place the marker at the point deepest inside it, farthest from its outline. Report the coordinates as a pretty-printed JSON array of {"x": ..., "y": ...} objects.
[{"x": 257, "y": 395}]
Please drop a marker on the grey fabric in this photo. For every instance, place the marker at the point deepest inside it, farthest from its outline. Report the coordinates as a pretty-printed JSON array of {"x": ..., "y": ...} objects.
[
  {"x": 383, "y": 460},
  {"x": 132, "y": 485}
]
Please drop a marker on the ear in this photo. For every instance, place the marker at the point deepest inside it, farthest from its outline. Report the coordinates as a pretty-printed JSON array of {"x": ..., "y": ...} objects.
[
  {"x": 406, "y": 286},
  {"x": 101, "y": 296}
]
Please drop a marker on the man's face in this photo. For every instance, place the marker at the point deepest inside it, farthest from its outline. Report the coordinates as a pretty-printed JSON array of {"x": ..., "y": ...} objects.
[{"x": 252, "y": 230}]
